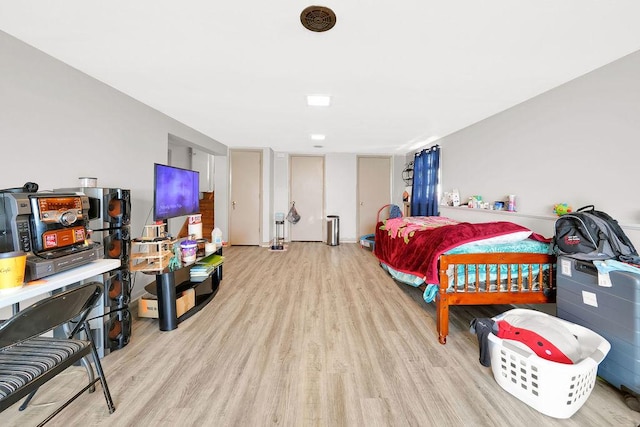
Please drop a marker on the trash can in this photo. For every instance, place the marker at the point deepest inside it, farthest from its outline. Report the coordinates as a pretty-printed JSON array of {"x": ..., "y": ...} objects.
[{"x": 333, "y": 230}]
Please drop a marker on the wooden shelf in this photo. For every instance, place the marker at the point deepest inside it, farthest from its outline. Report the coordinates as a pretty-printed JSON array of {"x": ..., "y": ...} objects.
[
  {"x": 500, "y": 212},
  {"x": 151, "y": 255}
]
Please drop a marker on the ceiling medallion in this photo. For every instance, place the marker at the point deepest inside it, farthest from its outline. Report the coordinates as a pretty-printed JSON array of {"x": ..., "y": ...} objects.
[{"x": 318, "y": 18}]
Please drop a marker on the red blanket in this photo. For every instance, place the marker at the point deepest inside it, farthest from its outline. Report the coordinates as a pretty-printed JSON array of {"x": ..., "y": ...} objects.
[{"x": 415, "y": 249}]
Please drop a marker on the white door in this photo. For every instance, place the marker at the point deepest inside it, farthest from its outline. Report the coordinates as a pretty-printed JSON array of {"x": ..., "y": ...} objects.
[
  {"x": 307, "y": 192},
  {"x": 374, "y": 191},
  {"x": 246, "y": 181}
]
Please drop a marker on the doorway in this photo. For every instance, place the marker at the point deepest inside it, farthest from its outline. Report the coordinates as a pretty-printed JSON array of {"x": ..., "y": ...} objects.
[
  {"x": 306, "y": 184},
  {"x": 374, "y": 190},
  {"x": 244, "y": 208}
]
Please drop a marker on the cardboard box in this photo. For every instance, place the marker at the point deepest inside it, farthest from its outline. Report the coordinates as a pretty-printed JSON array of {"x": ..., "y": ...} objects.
[
  {"x": 148, "y": 304},
  {"x": 185, "y": 302}
]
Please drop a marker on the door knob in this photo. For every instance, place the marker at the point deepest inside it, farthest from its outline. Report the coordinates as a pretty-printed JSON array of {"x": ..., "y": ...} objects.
[{"x": 233, "y": 204}]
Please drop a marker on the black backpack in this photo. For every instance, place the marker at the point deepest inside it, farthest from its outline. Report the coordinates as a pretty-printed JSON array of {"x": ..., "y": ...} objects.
[{"x": 589, "y": 234}]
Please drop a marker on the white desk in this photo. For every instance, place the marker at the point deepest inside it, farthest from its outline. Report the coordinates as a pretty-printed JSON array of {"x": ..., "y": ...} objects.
[{"x": 58, "y": 280}]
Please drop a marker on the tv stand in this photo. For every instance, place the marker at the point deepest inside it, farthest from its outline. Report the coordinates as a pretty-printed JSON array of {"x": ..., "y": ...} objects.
[{"x": 169, "y": 284}]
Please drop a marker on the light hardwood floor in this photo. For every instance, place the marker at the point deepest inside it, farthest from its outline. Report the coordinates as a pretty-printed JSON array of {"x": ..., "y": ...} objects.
[{"x": 315, "y": 336}]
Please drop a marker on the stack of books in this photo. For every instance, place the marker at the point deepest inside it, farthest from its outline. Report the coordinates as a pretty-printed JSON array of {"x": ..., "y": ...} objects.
[{"x": 204, "y": 267}]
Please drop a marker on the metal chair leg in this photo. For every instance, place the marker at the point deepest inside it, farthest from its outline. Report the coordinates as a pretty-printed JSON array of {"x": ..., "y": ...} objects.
[
  {"x": 27, "y": 400},
  {"x": 103, "y": 380},
  {"x": 87, "y": 365}
]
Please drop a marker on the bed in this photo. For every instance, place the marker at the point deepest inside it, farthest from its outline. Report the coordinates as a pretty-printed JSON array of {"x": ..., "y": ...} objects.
[{"x": 461, "y": 263}]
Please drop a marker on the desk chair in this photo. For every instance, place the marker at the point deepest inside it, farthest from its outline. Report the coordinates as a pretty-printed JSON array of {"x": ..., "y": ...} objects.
[{"x": 27, "y": 360}]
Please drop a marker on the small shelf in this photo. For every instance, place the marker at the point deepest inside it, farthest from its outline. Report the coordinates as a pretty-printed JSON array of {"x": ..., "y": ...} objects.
[
  {"x": 151, "y": 255},
  {"x": 499, "y": 212}
]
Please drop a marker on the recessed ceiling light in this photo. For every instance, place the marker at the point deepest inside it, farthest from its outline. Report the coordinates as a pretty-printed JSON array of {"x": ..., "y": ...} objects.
[
  {"x": 318, "y": 100},
  {"x": 317, "y": 137}
]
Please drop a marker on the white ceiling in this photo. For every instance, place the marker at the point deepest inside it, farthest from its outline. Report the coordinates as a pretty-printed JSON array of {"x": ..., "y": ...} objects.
[{"x": 400, "y": 73}]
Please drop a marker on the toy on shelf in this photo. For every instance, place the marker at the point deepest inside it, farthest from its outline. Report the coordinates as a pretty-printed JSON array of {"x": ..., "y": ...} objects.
[
  {"x": 562, "y": 209},
  {"x": 174, "y": 262}
]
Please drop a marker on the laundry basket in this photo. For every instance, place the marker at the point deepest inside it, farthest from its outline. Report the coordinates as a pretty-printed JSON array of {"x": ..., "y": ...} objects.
[{"x": 555, "y": 389}]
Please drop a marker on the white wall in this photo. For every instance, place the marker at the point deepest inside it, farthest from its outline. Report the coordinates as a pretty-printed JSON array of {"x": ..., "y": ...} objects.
[
  {"x": 268, "y": 219},
  {"x": 397, "y": 185},
  {"x": 576, "y": 144},
  {"x": 341, "y": 173},
  {"x": 280, "y": 188},
  {"x": 58, "y": 124},
  {"x": 179, "y": 156},
  {"x": 221, "y": 196}
]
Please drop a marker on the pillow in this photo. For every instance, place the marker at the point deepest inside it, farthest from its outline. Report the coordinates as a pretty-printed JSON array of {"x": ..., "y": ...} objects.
[{"x": 546, "y": 336}]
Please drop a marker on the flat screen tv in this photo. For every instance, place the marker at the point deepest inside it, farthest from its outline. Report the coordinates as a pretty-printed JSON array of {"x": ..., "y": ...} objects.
[{"x": 176, "y": 192}]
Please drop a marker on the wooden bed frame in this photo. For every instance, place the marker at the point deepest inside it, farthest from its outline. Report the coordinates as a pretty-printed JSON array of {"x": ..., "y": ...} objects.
[{"x": 477, "y": 296}]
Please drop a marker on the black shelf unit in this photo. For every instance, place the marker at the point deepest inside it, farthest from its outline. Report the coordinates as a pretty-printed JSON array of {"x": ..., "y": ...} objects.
[
  {"x": 169, "y": 284},
  {"x": 205, "y": 291}
]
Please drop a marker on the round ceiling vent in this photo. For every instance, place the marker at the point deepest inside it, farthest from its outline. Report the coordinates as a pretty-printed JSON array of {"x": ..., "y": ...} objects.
[{"x": 318, "y": 18}]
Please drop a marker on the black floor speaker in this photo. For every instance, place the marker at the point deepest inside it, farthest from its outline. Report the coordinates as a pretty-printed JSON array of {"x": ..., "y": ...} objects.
[{"x": 117, "y": 329}]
